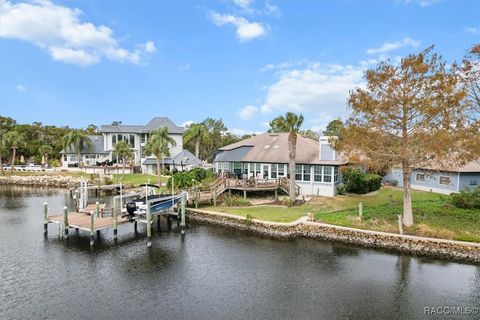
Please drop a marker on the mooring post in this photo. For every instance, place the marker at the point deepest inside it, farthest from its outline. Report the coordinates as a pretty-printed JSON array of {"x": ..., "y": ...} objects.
[
  {"x": 97, "y": 209},
  {"x": 360, "y": 210},
  {"x": 45, "y": 218},
  {"x": 400, "y": 225},
  {"x": 214, "y": 198},
  {"x": 182, "y": 221},
  {"x": 114, "y": 213},
  {"x": 135, "y": 227},
  {"x": 245, "y": 189},
  {"x": 149, "y": 226},
  {"x": 92, "y": 228},
  {"x": 65, "y": 221}
]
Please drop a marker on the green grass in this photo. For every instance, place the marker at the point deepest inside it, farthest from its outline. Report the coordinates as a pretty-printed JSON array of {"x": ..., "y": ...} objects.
[
  {"x": 433, "y": 215},
  {"x": 135, "y": 179}
]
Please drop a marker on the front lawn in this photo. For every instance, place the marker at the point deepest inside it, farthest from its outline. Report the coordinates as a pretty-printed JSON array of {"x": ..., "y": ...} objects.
[
  {"x": 135, "y": 179},
  {"x": 433, "y": 215}
]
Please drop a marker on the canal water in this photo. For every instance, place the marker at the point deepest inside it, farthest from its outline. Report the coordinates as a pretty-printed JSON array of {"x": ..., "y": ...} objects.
[{"x": 212, "y": 273}]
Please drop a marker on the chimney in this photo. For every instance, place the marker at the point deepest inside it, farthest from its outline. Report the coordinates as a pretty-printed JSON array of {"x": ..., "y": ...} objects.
[{"x": 326, "y": 151}]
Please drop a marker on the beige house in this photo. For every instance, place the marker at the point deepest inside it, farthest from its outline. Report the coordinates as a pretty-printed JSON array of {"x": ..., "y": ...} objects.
[{"x": 265, "y": 156}]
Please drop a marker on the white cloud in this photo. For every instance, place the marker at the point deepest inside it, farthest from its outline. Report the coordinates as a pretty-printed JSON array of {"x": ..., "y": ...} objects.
[
  {"x": 246, "y": 30},
  {"x": 20, "y": 87},
  {"x": 422, "y": 3},
  {"x": 390, "y": 46},
  {"x": 247, "y": 112},
  {"x": 316, "y": 87},
  {"x": 241, "y": 132},
  {"x": 244, "y": 4},
  {"x": 187, "y": 123},
  {"x": 472, "y": 30},
  {"x": 58, "y": 30},
  {"x": 272, "y": 9}
]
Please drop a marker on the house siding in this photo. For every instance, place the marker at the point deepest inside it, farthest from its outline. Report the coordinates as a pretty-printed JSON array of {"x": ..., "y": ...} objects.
[
  {"x": 431, "y": 182},
  {"x": 468, "y": 180}
]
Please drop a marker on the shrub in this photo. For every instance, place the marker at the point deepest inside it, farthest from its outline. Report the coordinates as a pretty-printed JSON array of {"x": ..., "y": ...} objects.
[
  {"x": 341, "y": 190},
  {"x": 188, "y": 179},
  {"x": 248, "y": 219},
  {"x": 236, "y": 201},
  {"x": 466, "y": 199},
  {"x": 357, "y": 181}
]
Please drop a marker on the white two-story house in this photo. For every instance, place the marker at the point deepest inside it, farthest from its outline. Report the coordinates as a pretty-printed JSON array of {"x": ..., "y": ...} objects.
[{"x": 102, "y": 150}]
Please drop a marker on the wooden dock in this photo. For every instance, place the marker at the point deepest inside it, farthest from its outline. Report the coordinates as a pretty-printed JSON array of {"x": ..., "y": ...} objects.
[{"x": 93, "y": 220}]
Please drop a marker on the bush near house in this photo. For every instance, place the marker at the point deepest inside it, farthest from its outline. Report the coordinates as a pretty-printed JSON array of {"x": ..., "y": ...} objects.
[
  {"x": 188, "y": 179},
  {"x": 466, "y": 199},
  {"x": 357, "y": 181}
]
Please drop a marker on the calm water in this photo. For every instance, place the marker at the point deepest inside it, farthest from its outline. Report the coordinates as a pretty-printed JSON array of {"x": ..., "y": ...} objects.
[{"x": 211, "y": 274}]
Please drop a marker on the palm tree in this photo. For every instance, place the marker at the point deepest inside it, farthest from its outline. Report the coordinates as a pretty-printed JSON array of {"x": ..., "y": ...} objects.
[
  {"x": 3, "y": 151},
  {"x": 14, "y": 140},
  {"x": 158, "y": 144},
  {"x": 123, "y": 150},
  {"x": 290, "y": 123},
  {"x": 78, "y": 140},
  {"x": 197, "y": 132},
  {"x": 45, "y": 150}
]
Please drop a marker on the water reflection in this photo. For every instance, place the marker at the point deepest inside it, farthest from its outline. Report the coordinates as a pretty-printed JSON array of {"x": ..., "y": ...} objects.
[{"x": 212, "y": 273}]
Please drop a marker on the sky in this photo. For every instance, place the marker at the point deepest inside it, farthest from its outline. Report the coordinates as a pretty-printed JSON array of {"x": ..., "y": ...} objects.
[{"x": 84, "y": 62}]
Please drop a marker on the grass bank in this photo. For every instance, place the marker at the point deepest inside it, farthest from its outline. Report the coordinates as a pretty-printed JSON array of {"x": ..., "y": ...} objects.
[{"x": 434, "y": 216}]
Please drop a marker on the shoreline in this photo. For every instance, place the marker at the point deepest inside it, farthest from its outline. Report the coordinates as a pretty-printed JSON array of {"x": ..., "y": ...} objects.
[
  {"x": 451, "y": 250},
  {"x": 57, "y": 181}
]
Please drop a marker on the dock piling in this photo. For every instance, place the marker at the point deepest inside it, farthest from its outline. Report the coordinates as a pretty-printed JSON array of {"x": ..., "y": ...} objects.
[
  {"x": 97, "y": 209},
  {"x": 65, "y": 221},
  {"x": 135, "y": 227},
  {"x": 114, "y": 212},
  {"x": 149, "y": 226},
  {"x": 400, "y": 225},
  {"x": 360, "y": 210},
  {"x": 92, "y": 228},
  {"x": 182, "y": 221},
  {"x": 45, "y": 218}
]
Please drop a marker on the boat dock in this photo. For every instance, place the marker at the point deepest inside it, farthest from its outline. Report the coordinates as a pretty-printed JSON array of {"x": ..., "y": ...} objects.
[{"x": 95, "y": 217}]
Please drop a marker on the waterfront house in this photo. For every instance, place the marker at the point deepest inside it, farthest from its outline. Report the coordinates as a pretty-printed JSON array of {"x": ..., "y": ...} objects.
[
  {"x": 265, "y": 156},
  {"x": 438, "y": 179},
  {"x": 185, "y": 160},
  {"x": 102, "y": 151}
]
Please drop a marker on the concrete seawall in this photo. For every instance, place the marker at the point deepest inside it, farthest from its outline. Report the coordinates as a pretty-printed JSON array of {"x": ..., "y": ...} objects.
[{"x": 420, "y": 246}]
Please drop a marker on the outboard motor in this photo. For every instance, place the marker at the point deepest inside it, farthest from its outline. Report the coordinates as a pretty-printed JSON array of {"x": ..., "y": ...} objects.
[{"x": 131, "y": 207}]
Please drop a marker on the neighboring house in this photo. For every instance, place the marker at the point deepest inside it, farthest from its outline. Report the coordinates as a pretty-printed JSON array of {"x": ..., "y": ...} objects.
[
  {"x": 135, "y": 135},
  {"x": 265, "y": 156},
  {"x": 88, "y": 156},
  {"x": 440, "y": 180},
  {"x": 183, "y": 161}
]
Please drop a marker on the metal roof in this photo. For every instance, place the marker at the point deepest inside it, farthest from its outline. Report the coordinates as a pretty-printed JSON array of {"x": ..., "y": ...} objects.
[
  {"x": 155, "y": 123},
  {"x": 184, "y": 157},
  {"x": 234, "y": 155}
]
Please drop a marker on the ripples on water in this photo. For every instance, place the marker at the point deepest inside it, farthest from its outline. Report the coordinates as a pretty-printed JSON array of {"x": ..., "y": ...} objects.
[{"x": 212, "y": 273}]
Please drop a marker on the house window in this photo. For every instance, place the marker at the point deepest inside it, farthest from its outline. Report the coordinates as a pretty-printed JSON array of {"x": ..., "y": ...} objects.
[
  {"x": 298, "y": 172},
  {"x": 144, "y": 137},
  {"x": 132, "y": 141},
  {"x": 257, "y": 169},
  {"x": 327, "y": 174},
  {"x": 114, "y": 140},
  {"x": 281, "y": 170},
  {"x": 317, "y": 173},
  {"x": 420, "y": 177},
  {"x": 444, "y": 180},
  {"x": 474, "y": 182},
  {"x": 335, "y": 174},
  {"x": 306, "y": 173},
  {"x": 273, "y": 171}
]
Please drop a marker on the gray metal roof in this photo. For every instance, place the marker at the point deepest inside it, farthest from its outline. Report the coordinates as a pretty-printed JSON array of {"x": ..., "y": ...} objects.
[
  {"x": 184, "y": 157},
  {"x": 97, "y": 147},
  {"x": 155, "y": 123},
  {"x": 234, "y": 155}
]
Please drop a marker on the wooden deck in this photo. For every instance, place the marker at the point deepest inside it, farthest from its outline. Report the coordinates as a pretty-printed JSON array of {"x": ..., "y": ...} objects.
[{"x": 82, "y": 221}]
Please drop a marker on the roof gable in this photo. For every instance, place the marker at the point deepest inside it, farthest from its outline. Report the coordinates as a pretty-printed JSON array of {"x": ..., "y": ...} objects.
[{"x": 155, "y": 123}]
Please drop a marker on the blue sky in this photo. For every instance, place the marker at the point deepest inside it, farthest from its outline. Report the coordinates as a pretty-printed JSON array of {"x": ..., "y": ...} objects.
[{"x": 80, "y": 62}]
